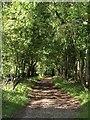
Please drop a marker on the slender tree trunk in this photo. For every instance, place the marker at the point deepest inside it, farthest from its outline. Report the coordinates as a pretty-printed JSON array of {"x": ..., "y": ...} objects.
[
  {"x": 16, "y": 72},
  {"x": 88, "y": 68},
  {"x": 88, "y": 47},
  {"x": 28, "y": 71},
  {"x": 65, "y": 67},
  {"x": 61, "y": 69},
  {"x": 78, "y": 68},
  {"x": 83, "y": 81},
  {"x": 23, "y": 70},
  {"x": 53, "y": 72},
  {"x": 75, "y": 71},
  {"x": 58, "y": 71},
  {"x": 33, "y": 70}
]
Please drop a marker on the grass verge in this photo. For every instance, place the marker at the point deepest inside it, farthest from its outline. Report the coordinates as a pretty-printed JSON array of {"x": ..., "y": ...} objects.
[
  {"x": 77, "y": 91},
  {"x": 13, "y": 100}
]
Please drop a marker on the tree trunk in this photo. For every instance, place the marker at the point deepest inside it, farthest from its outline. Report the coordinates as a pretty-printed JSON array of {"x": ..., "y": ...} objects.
[
  {"x": 78, "y": 70},
  {"x": 58, "y": 71},
  {"x": 53, "y": 72},
  {"x": 83, "y": 81},
  {"x": 65, "y": 68},
  {"x": 33, "y": 71},
  {"x": 88, "y": 47},
  {"x": 75, "y": 71},
  {"x": 28, "y": 71}
]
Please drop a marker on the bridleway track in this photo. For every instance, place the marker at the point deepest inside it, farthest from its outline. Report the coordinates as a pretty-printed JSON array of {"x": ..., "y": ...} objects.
[{"x": 49, "y": 101}]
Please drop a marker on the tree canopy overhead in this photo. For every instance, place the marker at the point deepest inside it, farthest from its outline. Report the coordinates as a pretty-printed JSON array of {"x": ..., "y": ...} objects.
[{"x": 49, "y": 35}]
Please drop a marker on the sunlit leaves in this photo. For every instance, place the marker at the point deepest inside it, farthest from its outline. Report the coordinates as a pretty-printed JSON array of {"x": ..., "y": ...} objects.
[{"x": 43, "y": 31}]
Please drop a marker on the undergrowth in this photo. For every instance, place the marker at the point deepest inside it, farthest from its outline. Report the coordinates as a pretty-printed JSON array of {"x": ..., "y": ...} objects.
[
  {"x": 77, "y": 91},
  {"x": 13, "y": 100}
]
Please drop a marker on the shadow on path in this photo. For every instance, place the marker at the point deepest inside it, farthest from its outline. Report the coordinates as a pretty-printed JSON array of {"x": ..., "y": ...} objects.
[{"x": 49, "y": 101}]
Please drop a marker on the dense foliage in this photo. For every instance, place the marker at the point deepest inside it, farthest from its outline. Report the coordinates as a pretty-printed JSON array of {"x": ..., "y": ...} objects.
[{"x": 45, "y": 38}]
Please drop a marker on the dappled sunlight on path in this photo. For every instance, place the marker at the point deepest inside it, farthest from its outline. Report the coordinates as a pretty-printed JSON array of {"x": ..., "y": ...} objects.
[
  {"x": 46, "y": 95},
  {"x": 48, "y": 101}
]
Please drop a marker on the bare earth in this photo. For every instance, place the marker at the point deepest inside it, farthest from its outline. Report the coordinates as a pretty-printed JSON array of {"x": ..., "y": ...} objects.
[{"x": 49, "y": 101}]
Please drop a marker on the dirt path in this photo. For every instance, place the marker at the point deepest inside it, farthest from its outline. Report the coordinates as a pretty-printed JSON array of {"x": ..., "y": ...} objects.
[{"x": 48, "y": 101}]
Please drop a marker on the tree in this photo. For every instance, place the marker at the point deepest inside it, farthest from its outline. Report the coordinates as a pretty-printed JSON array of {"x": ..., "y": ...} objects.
[
  {"x": 52, "y": 34},
  {"x": 88, "y": 47}
]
